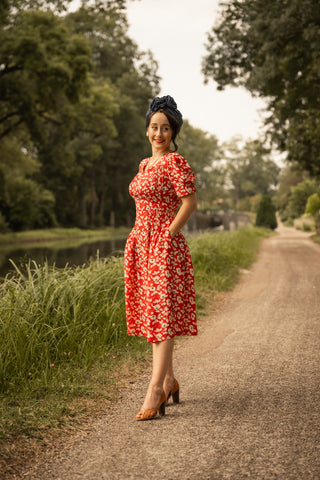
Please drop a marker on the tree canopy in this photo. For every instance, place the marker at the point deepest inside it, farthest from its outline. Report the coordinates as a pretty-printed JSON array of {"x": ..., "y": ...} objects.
[
  {"x": 74, "y": 89},
  {"x": 273, "y": 50},
  {"x": 70, "y": 86}
]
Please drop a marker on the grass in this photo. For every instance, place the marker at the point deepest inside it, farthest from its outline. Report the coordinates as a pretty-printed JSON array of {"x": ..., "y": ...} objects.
[
  {"x": 63, "y": 331},
  {"x": 55, "y": 325},
  {"x": 219, "y": 258}
]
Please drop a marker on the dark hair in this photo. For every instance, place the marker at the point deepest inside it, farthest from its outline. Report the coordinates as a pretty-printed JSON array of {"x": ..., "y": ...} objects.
[{"x": 174, "y": 124}]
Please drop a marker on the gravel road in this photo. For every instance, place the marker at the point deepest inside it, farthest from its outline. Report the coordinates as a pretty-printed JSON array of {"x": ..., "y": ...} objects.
[{"x": 250, "y": 396}]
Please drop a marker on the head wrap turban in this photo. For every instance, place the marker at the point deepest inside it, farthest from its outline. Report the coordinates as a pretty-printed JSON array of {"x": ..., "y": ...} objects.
[{"x": 165, "y": 103}]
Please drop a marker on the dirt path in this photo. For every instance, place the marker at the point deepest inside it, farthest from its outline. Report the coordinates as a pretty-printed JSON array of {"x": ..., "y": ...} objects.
[{"x": 250, "y": 390}]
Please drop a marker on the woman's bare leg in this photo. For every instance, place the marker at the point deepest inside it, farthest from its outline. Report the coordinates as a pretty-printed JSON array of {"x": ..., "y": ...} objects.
[
  {"x": 161, "y": 365},
  {"x": 169, "y": 377}
]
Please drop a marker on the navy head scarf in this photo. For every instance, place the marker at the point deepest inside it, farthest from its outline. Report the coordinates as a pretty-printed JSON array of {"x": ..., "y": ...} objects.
[{"x": 166, "y": 103}]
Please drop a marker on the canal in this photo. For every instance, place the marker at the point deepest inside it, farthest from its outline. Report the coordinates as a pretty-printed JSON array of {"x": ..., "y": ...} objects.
[{"x": 59, "y": 253}]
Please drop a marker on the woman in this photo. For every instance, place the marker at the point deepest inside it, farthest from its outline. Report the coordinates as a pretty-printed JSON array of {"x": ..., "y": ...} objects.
[{"x": 160, "y": 297}]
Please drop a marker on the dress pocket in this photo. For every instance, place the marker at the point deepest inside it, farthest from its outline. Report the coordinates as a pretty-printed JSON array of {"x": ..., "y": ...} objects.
[{"x": 167, "y": 235}]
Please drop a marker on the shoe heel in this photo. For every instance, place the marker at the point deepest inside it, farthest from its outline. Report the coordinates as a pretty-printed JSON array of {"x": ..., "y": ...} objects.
[
  {"x": 162, "y": 409},
  {"x": 175, "y": 397}
]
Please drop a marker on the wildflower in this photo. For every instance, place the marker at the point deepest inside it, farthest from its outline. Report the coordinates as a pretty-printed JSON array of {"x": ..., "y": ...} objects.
[{"x": 51, "y": 364}]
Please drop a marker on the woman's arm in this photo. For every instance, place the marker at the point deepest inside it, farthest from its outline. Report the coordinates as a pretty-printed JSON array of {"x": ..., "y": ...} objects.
[{"x": 189, "y": 204}]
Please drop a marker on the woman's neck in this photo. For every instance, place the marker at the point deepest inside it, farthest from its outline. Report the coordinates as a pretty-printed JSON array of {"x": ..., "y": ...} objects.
[{"x": 156, "y": 154}]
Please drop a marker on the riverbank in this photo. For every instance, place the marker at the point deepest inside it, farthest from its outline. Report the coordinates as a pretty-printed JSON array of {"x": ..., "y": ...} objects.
[
  {"x": 60, "y": 234},
  {"x": 65, "y": 351}
]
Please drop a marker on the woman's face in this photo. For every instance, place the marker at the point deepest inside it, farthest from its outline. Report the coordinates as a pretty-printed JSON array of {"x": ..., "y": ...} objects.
[{"x": 159, "y": 132}]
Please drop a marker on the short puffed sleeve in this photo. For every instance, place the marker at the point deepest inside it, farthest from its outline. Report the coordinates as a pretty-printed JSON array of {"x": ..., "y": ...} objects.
[{"x": 181, "y": 175}]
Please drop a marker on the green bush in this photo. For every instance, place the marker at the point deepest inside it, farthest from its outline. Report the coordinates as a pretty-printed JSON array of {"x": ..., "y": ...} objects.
[
  {"x": 299, "y": 197},
  {"x": 29, "y": 205},
  {"x": 266, "y": 214},
  {"x": 313, "y": 204}
]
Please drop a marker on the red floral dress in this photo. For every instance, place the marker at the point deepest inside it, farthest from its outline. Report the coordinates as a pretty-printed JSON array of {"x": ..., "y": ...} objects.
[{"x": 160, "y": 295}]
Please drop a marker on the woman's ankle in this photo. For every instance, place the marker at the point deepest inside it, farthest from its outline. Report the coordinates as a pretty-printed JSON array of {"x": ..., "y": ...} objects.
[
  {"x": 169, "y": 379},
  {"x": 155, "y": 388}
]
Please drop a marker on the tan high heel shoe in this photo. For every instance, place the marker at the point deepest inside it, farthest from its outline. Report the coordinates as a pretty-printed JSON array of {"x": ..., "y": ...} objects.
[
  {"x": 149, "y": 414},
  {"x": 174, "y": 392}
]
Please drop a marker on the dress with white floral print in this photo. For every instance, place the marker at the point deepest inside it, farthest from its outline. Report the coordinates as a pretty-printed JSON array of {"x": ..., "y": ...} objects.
[{"x": 159, "y": 281}]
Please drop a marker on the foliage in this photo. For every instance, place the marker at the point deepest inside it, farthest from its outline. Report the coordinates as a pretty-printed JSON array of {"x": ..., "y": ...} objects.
[
  {"x": 313, "y": 204},
  {"x": 272, "y": 49},
  {"x": 70, "y": 86},
  {"x": 23, "y": 201},
  {"x": 229, "y": 175},
  {"x": 299, "y": 197},
  {"x": 204, "y": 155},
  {"x": 250, "y": 171},
  {"x": 290, "y": 176},
  {"x": 29, "y": 205},
  {"x": 266, "y": 214},
  {"x": 254, "y": 202},
  {"x": 44, "y": 67},
  {"x": 74, "y": 91}
]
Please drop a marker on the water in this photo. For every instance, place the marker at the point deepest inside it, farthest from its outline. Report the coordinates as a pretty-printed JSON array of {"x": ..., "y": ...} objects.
[
  {"x": 60, "y": 256},
  {"x": 80, "y": 251}
]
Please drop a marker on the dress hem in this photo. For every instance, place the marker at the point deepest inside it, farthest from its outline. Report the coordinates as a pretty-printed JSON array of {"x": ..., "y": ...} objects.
[{"x": 168, "y": 337}]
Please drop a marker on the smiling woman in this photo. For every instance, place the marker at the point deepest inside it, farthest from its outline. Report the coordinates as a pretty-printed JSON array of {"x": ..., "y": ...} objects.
[{"x": 160, "y": 295}]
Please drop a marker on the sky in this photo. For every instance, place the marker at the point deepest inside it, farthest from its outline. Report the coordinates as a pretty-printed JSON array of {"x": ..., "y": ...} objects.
[{"x": 175, "y": 31}]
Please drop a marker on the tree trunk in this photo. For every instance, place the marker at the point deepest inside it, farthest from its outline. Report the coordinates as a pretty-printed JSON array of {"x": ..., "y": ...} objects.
[{"x": 93, "y": 198}]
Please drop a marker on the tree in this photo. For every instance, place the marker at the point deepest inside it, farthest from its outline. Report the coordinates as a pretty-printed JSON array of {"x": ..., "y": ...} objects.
[
  {"x": 134, "y": 79},
  {"x": 272, "y": 49},
  {"x": 74, "y": 91},
  {"x": 249, "y": 169},
  {"x": 43, "y": 68},
  {"x": 24, "y": 202},
  {"x": 289, "y": 177},
  {"x": 266, "y": 214},
  {"x": 204, "y": 155}
]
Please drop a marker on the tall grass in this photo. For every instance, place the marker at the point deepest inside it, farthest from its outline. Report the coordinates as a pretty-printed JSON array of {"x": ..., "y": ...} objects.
[
  {"x": 57, "y": 325},
  {"x": 218, "y": 258},
  {"x": 51, "y": 317}
]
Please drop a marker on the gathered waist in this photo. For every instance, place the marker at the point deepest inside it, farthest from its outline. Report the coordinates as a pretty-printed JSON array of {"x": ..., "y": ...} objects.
[{"x": 153, "y": 215}]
